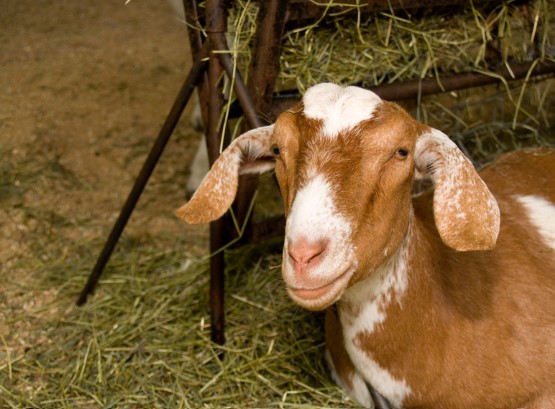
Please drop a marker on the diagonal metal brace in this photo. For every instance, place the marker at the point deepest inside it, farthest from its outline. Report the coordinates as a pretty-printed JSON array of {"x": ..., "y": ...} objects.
[{"x": 192, "y": 80}]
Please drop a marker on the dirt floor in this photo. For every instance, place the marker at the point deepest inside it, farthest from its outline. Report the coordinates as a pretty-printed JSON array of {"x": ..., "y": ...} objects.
[{"x": 85, "y": 87}]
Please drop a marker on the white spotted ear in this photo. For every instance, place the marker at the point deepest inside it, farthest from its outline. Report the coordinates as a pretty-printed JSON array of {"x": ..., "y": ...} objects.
[
  {"x": 465, "y": 212},
  {"x": 248, "y": 153}
]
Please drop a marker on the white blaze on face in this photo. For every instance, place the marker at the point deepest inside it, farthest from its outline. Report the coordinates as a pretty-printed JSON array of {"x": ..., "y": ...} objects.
[
  {"x": 314, "y": 217},
  {"x": 542, "y": 216},
  {"x": 339, "y": 108},
  {"x": 313, "y": 213}
]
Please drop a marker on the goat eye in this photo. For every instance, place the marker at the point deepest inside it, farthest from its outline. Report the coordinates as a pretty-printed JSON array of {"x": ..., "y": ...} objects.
[
  {"x": 402, "y": 154},
  {"x": 275, "y": 150}
]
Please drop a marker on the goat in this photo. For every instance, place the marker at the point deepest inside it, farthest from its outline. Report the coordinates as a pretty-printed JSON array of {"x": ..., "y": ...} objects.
[{"x": 441, "y": 300}]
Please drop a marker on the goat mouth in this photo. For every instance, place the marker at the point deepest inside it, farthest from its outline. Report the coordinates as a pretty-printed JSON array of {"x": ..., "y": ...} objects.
[{"x": 332, "y": 289}]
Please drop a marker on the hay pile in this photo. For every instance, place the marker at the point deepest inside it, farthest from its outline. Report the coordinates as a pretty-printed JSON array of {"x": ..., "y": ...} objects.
[
  {"x": 143, "y": 341},
  {"x": 346, "y": 46},
  {"x": 388, "y": 47}
]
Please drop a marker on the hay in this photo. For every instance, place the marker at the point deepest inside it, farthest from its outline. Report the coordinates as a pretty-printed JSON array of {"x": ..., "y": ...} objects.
[
  {"x": 488, "y": 122},
  {"x": 143, "y": 339},
  {"x": 349, "y": 48}
]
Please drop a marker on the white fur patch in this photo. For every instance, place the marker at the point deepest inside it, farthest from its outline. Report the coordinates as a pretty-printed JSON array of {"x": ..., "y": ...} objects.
[
  {"x": 371, "y": 297},
  {"x": 374, "y": 293},
  {"x": 541, "y": 213},
  {"x": 198, "y": 168},
  {"x": 339, "y": 108},
  {"x": 314, "y": 217},
  {"x": 359, "y": 391}
]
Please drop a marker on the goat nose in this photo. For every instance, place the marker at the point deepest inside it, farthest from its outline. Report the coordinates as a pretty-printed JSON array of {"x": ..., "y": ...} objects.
[{"x": 305, "y": 254}]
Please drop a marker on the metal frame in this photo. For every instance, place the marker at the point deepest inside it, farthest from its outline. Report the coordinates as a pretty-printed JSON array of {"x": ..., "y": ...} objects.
[{"x": 211, "y": 61}]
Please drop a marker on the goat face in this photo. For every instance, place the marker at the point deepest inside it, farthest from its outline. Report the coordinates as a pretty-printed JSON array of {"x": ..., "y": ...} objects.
[
  {"x": 345, "y": 162},
  {"x": 345, "y": 170}
]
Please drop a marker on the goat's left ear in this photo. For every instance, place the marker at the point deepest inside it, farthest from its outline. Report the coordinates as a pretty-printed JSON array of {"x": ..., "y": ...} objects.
[
  {"x": 465, "y": 212},
  {"x": 248, "y": 153}
]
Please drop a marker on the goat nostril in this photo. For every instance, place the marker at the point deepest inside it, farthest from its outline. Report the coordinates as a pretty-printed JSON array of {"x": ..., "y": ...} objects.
[
  {"x": 315, "y": 256},
  {"x": 304, "y": 253}
]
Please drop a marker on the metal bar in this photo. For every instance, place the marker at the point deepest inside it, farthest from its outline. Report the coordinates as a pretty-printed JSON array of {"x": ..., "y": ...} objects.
[
  {"x": 217, "y": 282},
  {"x": 263, "y": 71},
  {"x": 264, "y": 65},
  {"x": 195, "y": 20},
  {"x": 247, "y": 183},
  {"x": 194, "y": 25},
  {"x": 219, "y": 46},
  {"x": 410, "y": 89},
  {"x": 152, "y": 159},
  {"x": 216, "y": 21}
]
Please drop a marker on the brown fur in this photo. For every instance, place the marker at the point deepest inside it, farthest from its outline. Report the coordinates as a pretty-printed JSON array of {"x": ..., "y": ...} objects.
[{"x": 477, "y": 329}]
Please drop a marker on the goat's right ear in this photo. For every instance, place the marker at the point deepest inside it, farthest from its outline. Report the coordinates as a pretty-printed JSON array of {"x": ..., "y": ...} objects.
[{"x": 248, "y": 153}]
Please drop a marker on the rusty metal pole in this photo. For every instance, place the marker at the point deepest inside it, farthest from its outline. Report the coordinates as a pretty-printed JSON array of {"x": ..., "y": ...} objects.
[
  {"x": 216, "y": 24},
  {"x": 218, "y": 42},
  {"x": 194, "y": 17},
  {"x": 409, "y": 89},
  {"x": 256, "y": 96},
  {"x": 265, "y": 65}
]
